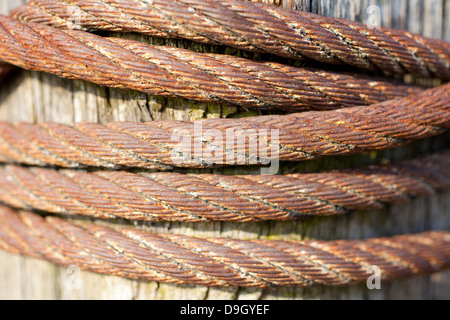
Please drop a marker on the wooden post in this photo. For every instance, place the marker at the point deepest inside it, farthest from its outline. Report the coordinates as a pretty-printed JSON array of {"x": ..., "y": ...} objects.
[{"x": 38, "y": 97}]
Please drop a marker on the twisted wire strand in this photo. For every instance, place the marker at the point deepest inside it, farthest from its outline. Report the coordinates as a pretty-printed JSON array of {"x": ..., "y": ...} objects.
[
  {"x": 180, "y": 259},
  {"x": 210, "y": 197},
  {"x": 221, "y": 142},
  {"x": 174, "y": 72},
  {"x": 253, "y": 27}
]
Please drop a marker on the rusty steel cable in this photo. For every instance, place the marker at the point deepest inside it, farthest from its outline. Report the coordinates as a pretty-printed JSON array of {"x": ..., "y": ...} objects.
[
  {"x": 222, "y": 142},
  {"x": 175, "y": 72},
  {"x": 254, "y": 27},
  {"x": 211, "y": 197},
  {"x": 137, "y": 254}
]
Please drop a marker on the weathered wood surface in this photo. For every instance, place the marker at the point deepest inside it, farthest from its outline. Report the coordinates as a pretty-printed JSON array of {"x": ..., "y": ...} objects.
[{"x": 37, "y": 97}]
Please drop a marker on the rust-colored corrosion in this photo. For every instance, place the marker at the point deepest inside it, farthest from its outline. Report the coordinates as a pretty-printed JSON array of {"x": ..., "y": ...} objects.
[
  {"x": 136, "y": 254},
  {"x": 209, "y": 197},
  {"x": 221, "y": 142},
  {"x": 254, "y": 27},
  {"x": 175, "y": 72}
]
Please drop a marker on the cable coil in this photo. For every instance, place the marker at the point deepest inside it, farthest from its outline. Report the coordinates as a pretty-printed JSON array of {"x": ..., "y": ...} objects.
[
  {"x": 254, "y": 27},
  {"x": 209, "y": 197},
  {"x": 136, "y": 254},
  {"x": 373, "y": 114}
]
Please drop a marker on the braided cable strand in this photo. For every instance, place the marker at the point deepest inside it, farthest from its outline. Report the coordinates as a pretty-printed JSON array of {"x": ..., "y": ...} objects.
[
  {"x": 180, "y": 259},
  {"x": 254, "y": 27},
  {"x": 221, "y": 142},
  {"x": 209, "y": 197},
  {"x": 177, "y": 72}
]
